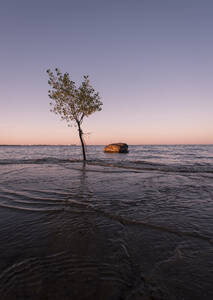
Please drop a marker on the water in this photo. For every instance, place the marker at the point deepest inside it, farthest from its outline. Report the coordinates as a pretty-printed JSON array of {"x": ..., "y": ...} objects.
[{"x": 123, "y": 226}]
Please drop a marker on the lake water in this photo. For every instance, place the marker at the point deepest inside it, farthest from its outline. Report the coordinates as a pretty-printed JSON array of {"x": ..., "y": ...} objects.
[{"x": 123, "y": 226}]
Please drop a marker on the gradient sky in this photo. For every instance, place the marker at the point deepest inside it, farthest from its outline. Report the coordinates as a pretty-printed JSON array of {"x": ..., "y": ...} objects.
[{"x": 151, "y": 61}]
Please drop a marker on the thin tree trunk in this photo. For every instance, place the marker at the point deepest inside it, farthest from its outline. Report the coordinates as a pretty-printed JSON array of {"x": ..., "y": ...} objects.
[{"x": 80, "y": 132}]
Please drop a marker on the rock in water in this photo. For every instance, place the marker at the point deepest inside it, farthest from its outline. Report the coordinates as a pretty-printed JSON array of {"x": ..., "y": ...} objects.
[{"x": 116, "y": 148}]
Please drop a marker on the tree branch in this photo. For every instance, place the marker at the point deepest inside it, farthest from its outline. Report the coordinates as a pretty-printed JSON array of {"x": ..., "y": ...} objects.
[{"x": 81, "y": 119}]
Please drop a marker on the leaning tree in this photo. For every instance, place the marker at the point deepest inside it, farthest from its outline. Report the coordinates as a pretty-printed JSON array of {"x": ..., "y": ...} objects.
[{"x": 71, "y": 103}]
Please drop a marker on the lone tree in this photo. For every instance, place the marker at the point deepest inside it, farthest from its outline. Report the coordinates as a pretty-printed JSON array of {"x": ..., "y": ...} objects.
[{"x": 71, "y": 103}]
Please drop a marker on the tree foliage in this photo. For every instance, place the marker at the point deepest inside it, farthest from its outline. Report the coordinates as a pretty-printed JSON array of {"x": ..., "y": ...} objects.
[{"x": 72, "y": 103}]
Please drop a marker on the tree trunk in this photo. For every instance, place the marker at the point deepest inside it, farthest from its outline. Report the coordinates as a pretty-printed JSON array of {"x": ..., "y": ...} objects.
[{"x": 80, "y": 132}]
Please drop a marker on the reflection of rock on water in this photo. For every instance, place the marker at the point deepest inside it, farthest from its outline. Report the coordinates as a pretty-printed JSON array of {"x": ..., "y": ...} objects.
[{"x": 116, "y": 148}]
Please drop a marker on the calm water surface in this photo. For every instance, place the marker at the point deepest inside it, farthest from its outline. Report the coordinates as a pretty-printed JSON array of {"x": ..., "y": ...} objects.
[{"x": 123, "y": 226}]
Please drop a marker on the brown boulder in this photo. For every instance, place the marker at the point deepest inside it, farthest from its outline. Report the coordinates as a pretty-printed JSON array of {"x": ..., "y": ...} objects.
[{"x": 116, "y": 148}]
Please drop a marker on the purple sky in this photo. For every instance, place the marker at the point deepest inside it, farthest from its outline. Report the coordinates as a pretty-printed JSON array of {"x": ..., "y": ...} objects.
[{"x": 151, "y": 61}]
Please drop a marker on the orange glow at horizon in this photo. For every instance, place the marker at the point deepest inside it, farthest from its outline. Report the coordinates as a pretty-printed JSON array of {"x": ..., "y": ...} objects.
[{"x": 67, "y": 136}]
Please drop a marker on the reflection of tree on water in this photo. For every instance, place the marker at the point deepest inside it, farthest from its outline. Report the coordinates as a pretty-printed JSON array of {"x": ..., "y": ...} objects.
[
  {"x": 79, "y": 202},
  {"x": 80, "y": 189},
  {"x": 84, "y": 190}
]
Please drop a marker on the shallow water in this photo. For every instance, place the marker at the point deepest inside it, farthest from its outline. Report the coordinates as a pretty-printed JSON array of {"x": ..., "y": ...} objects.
[{"x": 123, "y": 226}]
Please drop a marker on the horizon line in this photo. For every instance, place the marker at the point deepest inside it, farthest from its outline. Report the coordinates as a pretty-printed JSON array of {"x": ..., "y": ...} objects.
[{"x": 163, "y": 144}]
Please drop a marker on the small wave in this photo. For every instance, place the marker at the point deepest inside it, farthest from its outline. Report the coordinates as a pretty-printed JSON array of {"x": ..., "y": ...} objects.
[
  {"x": 30, "y": 209},
  {"x": 46, "y": 160},
  {"x": 141, "y": 165},
  {"x": 136, "y": 165},
  {"x": 132, "y": 222}
]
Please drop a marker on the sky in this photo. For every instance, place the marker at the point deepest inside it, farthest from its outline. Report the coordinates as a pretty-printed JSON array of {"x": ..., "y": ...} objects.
[{"x": 150, "y": 60}]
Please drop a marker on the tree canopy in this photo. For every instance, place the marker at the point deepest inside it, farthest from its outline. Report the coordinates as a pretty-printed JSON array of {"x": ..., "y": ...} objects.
[{"x": 72, "y": 103}]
